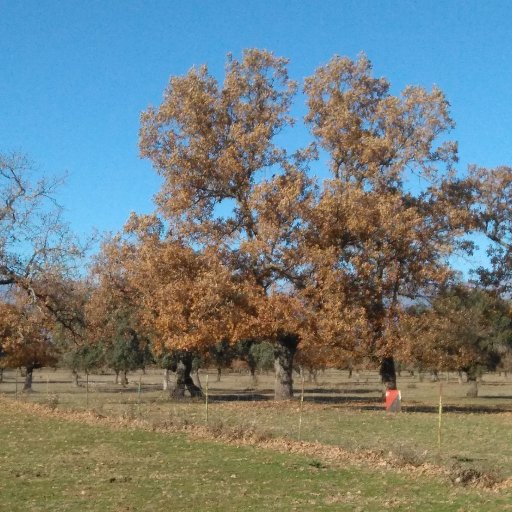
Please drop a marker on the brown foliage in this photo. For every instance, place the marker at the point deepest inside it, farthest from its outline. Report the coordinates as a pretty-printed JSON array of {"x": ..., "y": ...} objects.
[
  {"x": 37, "y": 251},
  {"x": 245, "y": 244},
  {"x": 493, "y": 216},
  {"x": 214, "y": 145},
  {"x": 183, "y": 299},
  {"x": 382, "y": 238},
  {"x": 25, "y": 334}
]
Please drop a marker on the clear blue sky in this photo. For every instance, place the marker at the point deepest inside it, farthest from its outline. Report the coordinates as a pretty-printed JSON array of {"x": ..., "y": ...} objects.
[{"x": 75, "y": 75}]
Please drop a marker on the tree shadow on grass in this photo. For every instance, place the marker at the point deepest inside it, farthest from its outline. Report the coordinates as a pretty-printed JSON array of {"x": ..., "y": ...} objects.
[
  {"x": 342, "y": 391},
  {"x": 341, "y": 400},
  {"x": 318, "y": 395},
  {"x": 240, "y": 397},
  {"x": 129, "y": 388},
  {"x": 268, "y": 395},
  {"x": 434, "y": 409}
]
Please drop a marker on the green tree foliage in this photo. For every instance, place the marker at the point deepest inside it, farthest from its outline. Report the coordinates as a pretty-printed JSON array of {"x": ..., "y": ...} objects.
[
  {"x": 127, "y": 350},
  {"x": 263, "y": 355},
  {"x": 84, "y": 358},
  {"x": 221, "y": 355},
  {"x": 124, "y": 355},
  {"x": 465, "y": 328}
]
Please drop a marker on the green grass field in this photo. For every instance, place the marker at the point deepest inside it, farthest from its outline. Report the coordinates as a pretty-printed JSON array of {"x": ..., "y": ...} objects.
[
  {"x": 52, "y": 464},
  {"x": 54, "y": 461}
]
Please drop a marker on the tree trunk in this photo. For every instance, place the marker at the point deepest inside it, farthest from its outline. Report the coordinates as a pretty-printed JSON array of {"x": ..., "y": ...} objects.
[
  {"x": 312, "y": 375},
  {"x": 251, "y": 363},
  {"x": 387, "y": 372},
  {"x": 219, "y": 373},
  {"x": 124, "y": 378},
  {"x": 117, "y": 377},
  {"x": 165, "y": 385},
  {"x": 254, "y": 377},
  {"x": 473, "y": 375},
  {"x": 74, "y": 378},
  {"x": 196, "y": 380},
  {"x": 284, "y": 352},
  {"x": 184, "y": 380},
  {"x": 473, "y": 388},
  {"x": 1, "y": 374},
  {"x": 29, "y": 371}
]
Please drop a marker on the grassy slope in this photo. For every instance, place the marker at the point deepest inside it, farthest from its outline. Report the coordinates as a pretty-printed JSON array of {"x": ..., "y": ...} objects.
[{"x": 54, "y": 465}]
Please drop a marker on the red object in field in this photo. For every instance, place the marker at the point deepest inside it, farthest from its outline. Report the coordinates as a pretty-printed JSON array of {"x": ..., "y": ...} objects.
[{"x": 393, "y": 400}]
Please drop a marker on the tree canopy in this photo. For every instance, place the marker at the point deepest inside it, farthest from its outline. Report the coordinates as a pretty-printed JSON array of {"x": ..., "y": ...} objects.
[
  {"x": 248, "y": 247},
  {"x": 330, "y": 263}
]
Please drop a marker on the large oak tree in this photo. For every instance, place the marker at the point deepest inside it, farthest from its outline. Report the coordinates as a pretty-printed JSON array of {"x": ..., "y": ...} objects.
[
  {"x": 385, "y": 223},
  {"x": 332, "y": 267},
  {"x": 229, "y": 187},
  {"x": 25, "y": 333}
]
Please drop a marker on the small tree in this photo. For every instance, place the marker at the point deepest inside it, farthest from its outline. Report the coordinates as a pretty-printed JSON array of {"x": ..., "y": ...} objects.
[
  {"x": 126, "y": 351},
  {"x": 244, "y": 351},
  {"x": 187, "y": 298},
  {"x": 465, "y": 328},
  {"x": 113, "y": 316},
  {"x": 83, "y": 358},
  {"x": 374, "y": 238},
  {"x": 263, "y": 355},
  {"x": 26, "y": 336},
  {"x": 168, "y": 361},
  {"x": 215, "y": 144},
  {"x": 221, "y": 355}
]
